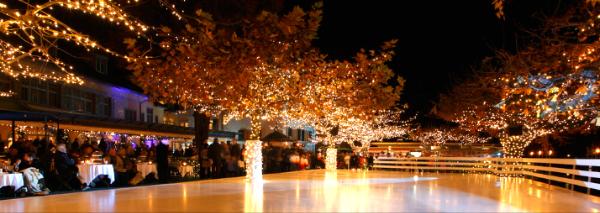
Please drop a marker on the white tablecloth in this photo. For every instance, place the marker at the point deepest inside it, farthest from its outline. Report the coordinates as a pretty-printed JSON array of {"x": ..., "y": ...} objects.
[
  {"x": 15, "y": 179},
  {"x": 186, "y": 170},
  {"x": 146, "y": 168},
  {"x": 90, "y": 171}
]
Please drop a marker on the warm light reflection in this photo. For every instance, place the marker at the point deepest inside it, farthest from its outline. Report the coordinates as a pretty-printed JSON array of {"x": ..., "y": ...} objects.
[
  {"x": 330, "y": 190},
  {"x": 253, "y": 197},
  {"x": 341, "y": 191},
  {"x": 184, "y": 197}
]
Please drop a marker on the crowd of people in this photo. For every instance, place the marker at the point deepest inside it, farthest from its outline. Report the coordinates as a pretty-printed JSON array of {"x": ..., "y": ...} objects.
[
  {"x": 284, "y": 159},
  {"x": 56, "y": 164},
  {"x": 226, "y": 159}
]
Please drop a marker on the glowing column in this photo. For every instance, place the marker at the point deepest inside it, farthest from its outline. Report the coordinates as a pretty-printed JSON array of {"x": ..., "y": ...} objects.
[
  {"x": 253, "y": 160},
  {"x": 331, "y": 159}
]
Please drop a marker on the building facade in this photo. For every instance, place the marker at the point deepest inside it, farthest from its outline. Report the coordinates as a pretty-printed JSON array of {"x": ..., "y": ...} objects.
[
  {"x": 101, "y": 107},
  {"x": 33, "y": 108}
]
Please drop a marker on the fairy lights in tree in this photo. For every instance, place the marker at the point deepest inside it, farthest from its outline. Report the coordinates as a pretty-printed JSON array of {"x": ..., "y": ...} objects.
[
  {"x": 265, "y": 69},
  {"x": 556, "y": 80},
  {"x": 387, "y": 124},
  {"x": 30, "y": 32},
  {"x": 514, "y": 145}
]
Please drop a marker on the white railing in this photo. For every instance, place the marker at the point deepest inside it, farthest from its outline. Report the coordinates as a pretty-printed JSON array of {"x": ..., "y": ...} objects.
[{"x": 582, "y": 173}]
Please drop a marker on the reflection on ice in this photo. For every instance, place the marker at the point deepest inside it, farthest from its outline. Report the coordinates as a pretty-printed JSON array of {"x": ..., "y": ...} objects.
[
  {"x": 321, "y": 191},
  {"x": 253, "y": 196}
]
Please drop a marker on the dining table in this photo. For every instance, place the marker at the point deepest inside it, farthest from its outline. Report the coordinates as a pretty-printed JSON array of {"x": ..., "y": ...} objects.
[
  {"x": 147, "y": 168},
  {"x": 89, "y": 171},
  {"x": 11, "y": 179}
]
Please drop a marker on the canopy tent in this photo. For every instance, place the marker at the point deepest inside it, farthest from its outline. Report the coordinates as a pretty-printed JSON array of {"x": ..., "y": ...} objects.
[
  {"x": 277, "y": 139},
  {"x": 344, "y": 146},
  {"x": 276, "y": 136}
]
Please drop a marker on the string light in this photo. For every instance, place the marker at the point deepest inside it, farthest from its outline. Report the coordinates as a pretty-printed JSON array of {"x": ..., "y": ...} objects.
[
  {"x": 253, "y": 160},
  {"x": 331, "y": 159},
  {"x": 31, "y": 36},
  {"x": 6, "y": 94}
]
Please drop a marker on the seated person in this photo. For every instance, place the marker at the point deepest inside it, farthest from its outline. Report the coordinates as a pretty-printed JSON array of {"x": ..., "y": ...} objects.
[
  {"x": 143, "y": 155},
  {"x": 66, "y": 169},
  {"x": 86, "y": 153},
  {"x": 75, "y": 156},
  {"x": 13, "y": 155},
  {"x": 27, "y": 160},
  {"x": 121, "y": 174},
  {"x": 32, "y": 176}
]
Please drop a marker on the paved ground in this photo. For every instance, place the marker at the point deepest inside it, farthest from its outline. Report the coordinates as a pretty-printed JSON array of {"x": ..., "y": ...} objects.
[{"x": 319, "y": 191}]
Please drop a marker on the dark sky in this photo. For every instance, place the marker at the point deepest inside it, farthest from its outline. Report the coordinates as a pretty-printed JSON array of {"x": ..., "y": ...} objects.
[{"x": 438, "y": 41}]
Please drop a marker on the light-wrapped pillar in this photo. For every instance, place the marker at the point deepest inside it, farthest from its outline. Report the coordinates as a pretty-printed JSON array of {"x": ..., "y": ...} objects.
[
  {"x": 331, "y": 159},
  {"x": 253, "y": 160}
]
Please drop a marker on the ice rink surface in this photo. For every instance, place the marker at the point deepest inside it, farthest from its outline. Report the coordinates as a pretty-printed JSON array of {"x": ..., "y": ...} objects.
[{"x": 321, "y": 191}]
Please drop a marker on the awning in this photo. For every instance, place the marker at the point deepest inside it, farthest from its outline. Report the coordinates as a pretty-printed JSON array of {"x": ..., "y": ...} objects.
[
  {"x": 92, "y": 123},
  {"x": 26, "y": 116},
  {"x": 124, "y": 131}
]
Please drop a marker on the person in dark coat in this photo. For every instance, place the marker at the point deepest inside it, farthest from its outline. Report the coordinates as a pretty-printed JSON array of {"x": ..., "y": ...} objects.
[
  {"x": 370, "y": 161},
  {"x": 75, "y": 145},
  {"x": 236, "y": 151},
  {"x": 28, "y": 160},
  {"x": 102, "y": 145},
  {"x": 66, "y": 169},
  {"x": 354, "y": 161},
  {"x": 162, "y": 162},
  {"x": 214, "y": 153}
]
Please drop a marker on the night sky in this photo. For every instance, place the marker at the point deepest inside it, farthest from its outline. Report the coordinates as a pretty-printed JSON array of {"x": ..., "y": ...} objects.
[{"x": 438, "y": 41}]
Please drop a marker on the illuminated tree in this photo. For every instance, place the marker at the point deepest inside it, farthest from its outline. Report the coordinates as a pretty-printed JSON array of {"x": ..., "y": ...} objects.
[
  {"x": 557, "y": 78},
  {"x": 336, "y": 95},
  {"x": 499, "y": 6},
  {"x": 30, "y": 32},
  {"x": 246, "y": 72},
  {"x": 475, "y": 104},
  {"x": 386, "y": 124}
]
